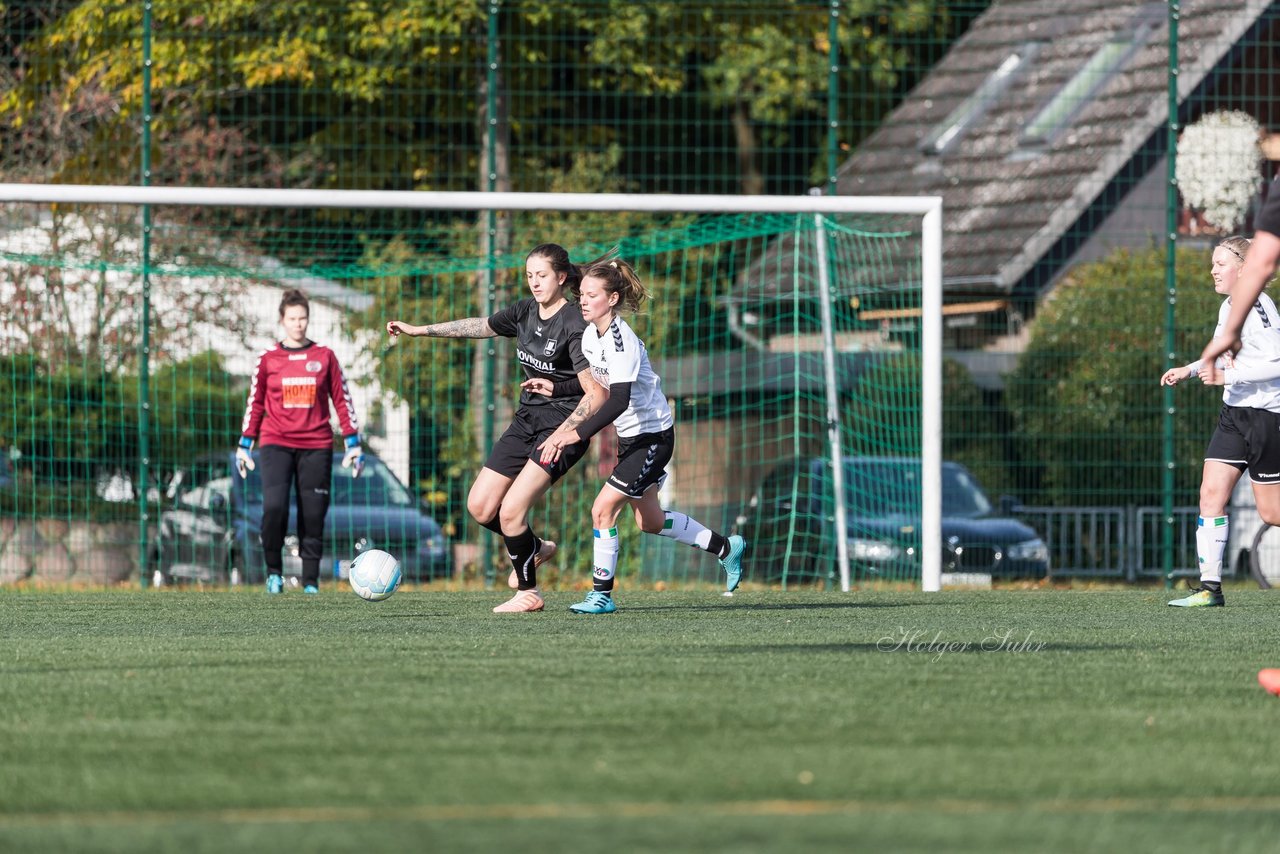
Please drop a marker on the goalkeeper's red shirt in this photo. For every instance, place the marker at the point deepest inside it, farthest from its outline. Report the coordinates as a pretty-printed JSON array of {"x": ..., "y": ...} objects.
[{"x": 289, "y": 399}]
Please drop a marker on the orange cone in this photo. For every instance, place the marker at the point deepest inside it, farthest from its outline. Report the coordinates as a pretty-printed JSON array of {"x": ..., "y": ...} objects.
[{"x": 1269, "y": 678}]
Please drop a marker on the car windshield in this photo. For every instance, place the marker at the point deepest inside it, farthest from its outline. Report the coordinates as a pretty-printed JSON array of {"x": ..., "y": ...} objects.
[
  {"x": 888, "y": 487},
  {"x": 377, "y": 486}
]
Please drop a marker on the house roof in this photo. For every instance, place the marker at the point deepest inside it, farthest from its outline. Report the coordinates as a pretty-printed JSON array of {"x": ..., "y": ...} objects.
[{"x": 1006, "y": 205}]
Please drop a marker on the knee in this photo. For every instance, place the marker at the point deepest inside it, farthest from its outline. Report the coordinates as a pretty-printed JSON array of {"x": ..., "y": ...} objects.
[
  {"x": 604, "y": 513},
  {"x": 601, "y": 518},
  {"x": 481, "y": 509},
  {"x": 511, "y": 517}
]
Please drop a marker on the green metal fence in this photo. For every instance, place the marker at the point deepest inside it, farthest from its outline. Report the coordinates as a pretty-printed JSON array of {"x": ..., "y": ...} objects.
[{"x": 1076, "y": 247}]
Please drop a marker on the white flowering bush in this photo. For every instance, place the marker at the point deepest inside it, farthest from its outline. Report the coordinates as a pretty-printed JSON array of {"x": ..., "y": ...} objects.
[{"x": 1219, "y": 166}]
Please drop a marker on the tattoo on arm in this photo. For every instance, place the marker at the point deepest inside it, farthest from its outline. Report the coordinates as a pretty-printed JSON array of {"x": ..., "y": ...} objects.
[
  {"x": 588, "y": 405},
  {"x": 470, "y": 327},
  {"x": 582, "y": 413}
]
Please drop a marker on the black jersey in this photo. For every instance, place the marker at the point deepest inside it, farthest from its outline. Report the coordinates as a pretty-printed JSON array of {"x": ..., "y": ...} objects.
[
  {"x": 548, "y": 349},
  {"x": 1268, "y": 219}
]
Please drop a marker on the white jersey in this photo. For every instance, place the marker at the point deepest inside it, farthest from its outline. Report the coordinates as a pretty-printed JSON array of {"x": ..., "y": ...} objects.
[
  {"x": 619, "y": 356},
  {"x": 1254, "y": 381}
]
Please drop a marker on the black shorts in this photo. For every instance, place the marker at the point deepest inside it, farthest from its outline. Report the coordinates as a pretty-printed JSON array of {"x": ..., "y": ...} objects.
[
  {"x": 1248, "y": 438},
  {"x": 642, "y": 462},
  {"x": 519, "y": 444}
]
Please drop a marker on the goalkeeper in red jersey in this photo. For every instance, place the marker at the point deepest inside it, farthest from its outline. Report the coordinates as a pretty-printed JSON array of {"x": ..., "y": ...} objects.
[{"x": 288, "y": 415}]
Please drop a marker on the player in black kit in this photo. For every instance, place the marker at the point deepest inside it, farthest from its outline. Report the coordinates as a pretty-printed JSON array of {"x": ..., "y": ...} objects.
[{"x": 548, "y": 331}]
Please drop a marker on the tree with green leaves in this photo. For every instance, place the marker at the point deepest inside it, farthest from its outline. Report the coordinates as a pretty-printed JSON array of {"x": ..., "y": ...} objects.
[
  {"x": 303, "y": 94},
  {"x": 1085, "y": 397},
  {"x": 394, "y": 93},
  {"x": 195, "y": 405}
]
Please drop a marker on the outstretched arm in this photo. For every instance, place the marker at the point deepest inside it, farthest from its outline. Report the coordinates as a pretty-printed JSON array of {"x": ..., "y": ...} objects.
[
  {"x": 1259, "y": 265},
  {"x": 468, "y": 327}
]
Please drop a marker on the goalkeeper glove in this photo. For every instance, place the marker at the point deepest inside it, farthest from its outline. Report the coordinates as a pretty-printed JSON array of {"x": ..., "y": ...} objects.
[
  {"x": 354, "y": 457},
  {"x": 244, "y": 459}
]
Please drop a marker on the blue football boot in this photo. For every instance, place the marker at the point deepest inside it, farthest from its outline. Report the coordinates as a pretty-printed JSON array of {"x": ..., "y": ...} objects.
[
  {"x": 595, "y": 603},
  {"x": 732, "y": 562}
]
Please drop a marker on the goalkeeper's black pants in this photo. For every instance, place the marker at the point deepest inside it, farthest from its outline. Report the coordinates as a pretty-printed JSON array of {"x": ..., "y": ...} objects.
[{"x": 307, "y": 472}]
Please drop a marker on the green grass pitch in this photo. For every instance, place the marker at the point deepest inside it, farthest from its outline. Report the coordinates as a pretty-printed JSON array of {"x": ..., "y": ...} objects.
[{"x": 880, "y": 721}]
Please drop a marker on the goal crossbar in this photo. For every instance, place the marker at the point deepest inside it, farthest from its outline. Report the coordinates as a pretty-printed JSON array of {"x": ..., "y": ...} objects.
[
  {"x": 929, "y": 208},
  {"x": 262, "y": 197}
]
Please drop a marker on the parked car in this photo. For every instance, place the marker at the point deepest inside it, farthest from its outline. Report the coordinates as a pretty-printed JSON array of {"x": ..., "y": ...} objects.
[
  {"x": 790, "y": 524},
  {"x": 211, "y": 521}
]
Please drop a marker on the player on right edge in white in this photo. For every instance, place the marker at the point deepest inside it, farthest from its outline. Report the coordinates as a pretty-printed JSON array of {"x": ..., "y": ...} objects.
[{"x": 1248, "y": 431}]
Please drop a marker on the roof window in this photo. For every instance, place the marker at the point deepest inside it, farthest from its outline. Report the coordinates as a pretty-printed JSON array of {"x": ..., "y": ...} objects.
[
  {"x": 954, "y": 126},
  {"x": 1108, "y": 61}
]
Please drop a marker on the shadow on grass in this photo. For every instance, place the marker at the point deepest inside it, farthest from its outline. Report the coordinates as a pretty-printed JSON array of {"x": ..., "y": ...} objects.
[{"x": 778, "y": 606}]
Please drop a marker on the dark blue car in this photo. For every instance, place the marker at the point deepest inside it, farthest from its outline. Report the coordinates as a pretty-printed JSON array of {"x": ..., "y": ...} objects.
[
  {"x": 211, "y": 521},
  {"x": 790, "y": 524}
]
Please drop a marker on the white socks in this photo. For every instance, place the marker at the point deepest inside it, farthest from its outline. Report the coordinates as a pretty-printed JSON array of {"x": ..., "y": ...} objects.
[
  {"x": 683, "y": 529},
  {"x": 1211, "y": 542},
  {"x": 605, "y": 553}
]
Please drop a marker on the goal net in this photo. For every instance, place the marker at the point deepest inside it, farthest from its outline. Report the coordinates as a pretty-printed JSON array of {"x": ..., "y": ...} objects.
[{"x": 796, "y": 338}]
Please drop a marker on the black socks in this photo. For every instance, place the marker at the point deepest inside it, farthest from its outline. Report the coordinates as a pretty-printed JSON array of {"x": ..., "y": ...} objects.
[{"x": 522, "y": 549}]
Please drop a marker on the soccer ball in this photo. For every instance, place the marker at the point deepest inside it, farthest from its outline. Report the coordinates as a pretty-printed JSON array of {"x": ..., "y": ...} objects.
[{"x": 374, "y": 575}]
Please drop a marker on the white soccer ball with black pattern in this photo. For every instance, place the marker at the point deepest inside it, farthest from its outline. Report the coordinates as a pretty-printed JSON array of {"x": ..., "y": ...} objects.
[{"x": 374, "y": 575}]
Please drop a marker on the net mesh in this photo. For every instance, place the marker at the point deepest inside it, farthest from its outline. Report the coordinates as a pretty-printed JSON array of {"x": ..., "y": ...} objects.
[
  {"x": 736, "y": 331},
  {"x": 1050, "y": 141}
]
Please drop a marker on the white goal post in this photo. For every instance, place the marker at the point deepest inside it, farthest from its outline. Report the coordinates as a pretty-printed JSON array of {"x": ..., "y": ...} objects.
[{"x": 928, "y": 208}]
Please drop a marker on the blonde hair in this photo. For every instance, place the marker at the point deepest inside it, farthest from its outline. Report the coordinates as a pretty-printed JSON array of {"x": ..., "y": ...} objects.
[
  {"x": 619, "y": 278},
  {"x": 1236, "y": 245}
]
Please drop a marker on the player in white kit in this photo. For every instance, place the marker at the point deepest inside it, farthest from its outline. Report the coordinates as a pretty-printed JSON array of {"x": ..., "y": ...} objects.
[
  {"x": 1248, "y": 431},
  {"x": 646, "y": 438}
]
